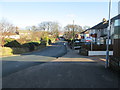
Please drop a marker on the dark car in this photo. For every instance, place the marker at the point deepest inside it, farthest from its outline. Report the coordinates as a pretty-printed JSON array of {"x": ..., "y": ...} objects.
[{"x": 77, "y": 44}]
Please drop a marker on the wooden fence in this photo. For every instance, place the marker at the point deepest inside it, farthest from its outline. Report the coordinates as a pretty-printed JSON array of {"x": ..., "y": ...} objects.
[{"x": 116, "y": 48}]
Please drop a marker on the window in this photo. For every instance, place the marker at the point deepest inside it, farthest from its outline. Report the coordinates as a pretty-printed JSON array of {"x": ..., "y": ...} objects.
[
  {"x": 117, "y": 22},
  {"x": 117, "y": 29}
]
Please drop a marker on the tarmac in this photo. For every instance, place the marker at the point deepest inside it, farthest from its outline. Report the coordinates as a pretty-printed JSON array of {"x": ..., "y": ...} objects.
[{"x": 69, "y": 71}]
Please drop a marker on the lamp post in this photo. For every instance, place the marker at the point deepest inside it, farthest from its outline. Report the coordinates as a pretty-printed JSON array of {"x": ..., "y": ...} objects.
[
  {"x": 73, "y": 35},
  {"x": 108, "y": 36}
]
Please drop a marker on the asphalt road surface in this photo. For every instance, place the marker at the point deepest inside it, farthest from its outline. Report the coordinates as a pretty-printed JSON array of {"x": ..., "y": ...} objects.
[
  {"x": 17, "y": 63},
  {"x": 69, "y": 71}
]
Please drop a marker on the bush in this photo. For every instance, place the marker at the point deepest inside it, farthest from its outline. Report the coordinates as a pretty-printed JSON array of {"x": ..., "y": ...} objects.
[
  {"x": 20, "y": 50},
  {"x": 13, "y": 44},
  {"x": 28, "y": 45},
  {"x": 35, "y": 43},
  {"x": 43, "y": 42},
  {"x": 31, "y": 45},
  {"x": 7, "y": 40}
]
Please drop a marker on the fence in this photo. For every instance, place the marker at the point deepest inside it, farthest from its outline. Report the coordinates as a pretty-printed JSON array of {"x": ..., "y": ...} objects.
[
  {"x": 101, "y": 47},
  {"x": 116, "y": 48}
]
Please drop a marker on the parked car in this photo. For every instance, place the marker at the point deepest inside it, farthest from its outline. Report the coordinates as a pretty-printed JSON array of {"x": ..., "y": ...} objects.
[{"x": 77, "y": 44}]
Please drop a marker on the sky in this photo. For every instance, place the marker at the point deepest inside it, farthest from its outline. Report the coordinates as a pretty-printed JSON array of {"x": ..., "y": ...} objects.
[{"x": 24, "y": 14}]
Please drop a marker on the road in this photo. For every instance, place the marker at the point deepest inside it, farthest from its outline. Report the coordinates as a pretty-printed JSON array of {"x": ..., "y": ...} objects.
[
  {"x": 17, "y": 63},
  {"x": 69, "y": 71}
]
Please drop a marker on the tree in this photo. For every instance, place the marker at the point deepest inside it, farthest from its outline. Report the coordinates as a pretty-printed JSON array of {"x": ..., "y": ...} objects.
[
  {"x": 50, "y": 27},
  {"x": 45, "y": 26},
  {"x": 34, "y": 28},
  {"x": 5, "y": 29},
  {"x": 86, "y": 27},
  {"x": 69, "y": 33},
  {"x": 28, "y": 28},
  {"x": 55, "y": 29}
]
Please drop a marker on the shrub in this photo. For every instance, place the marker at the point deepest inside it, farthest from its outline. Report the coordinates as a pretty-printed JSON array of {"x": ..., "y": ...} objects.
[
  {"x": 31, "y": 45},
  {"x": 43, "y": 42},
  {"x": 20, "y": 50},
  {"x": 7, "y": 40},
  {"x": 35, "y": 43},
  {"x": 13, "y": 44},
  {"x": 27, "y": 45}
]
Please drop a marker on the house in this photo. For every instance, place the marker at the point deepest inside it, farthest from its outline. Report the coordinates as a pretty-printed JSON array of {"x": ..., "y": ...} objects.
[
  {"x": 13, "y": 36},
  {"x": 100, "y": 35},
  {"x": 85, "y": 36},
  {"x": 99, "y": 31},
  {"x": 10, "y": 35},
  {"x": 114, "y": 61}
]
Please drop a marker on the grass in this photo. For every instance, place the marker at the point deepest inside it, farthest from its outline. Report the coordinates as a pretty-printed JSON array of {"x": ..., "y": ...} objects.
[{"x": 5, "y": 51}]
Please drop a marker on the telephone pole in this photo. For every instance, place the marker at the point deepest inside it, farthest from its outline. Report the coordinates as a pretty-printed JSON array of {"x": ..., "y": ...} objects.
[
  {"x": 108, "y": 37},
  {"x": 73, "y": 35}
]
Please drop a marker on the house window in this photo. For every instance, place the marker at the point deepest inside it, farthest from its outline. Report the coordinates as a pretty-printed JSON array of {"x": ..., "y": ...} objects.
[
  {"x": 117, "y": 29},
  {"x": 117, "y": 22}
]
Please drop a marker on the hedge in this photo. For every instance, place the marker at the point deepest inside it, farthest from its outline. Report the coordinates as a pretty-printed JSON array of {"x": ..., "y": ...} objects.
[
  {"x": 15, "y": 47},
  {"x": 95, "y": 47},
  {"x": 13, "y": 43}
]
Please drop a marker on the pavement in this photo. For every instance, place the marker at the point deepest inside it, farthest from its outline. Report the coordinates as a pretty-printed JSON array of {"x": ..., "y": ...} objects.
[{"x": 69, "y": 71}]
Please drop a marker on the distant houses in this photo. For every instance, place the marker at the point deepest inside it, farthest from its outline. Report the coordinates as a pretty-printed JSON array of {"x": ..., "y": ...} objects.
[
  {"x": 99, "y": 37},
  {"x": 13, "y": 36},
  {"x": 85, "y": 36},
  {"x": 99, "y": 31}
]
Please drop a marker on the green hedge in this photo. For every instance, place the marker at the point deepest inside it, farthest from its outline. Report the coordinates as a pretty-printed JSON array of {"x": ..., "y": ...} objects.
[
  {"x": 8, "y": 51},
  {"x": 19, "y": 50},
  {"x": 31, "y": 45},
  {"x": 14, "y": 47},
  {"x": 7, "y": 40},
  {"x": 13, "y": 43}
]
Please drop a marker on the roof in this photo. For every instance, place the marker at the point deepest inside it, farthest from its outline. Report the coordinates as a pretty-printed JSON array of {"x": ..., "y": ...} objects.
[
  {"x": 101, "y": 25},
  {"x": 104, "y": 24},
  {"x": 83, "y": 31},
  {"x": 116, "y": 17}
]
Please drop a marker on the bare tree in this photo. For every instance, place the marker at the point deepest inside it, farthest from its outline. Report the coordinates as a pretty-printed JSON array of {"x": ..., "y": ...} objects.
[
  {"x": 86, "y": 27},
  {"x": 28, "y": 28},
  {"x": 45, "y": 26},
  {"x": 55, "y": 29},
  {"x": 5, "y": 29},
  {"x": 68, "y": 30},
  {"x": 50, "y": 27},
  {"x": 34, "y": 28}
]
